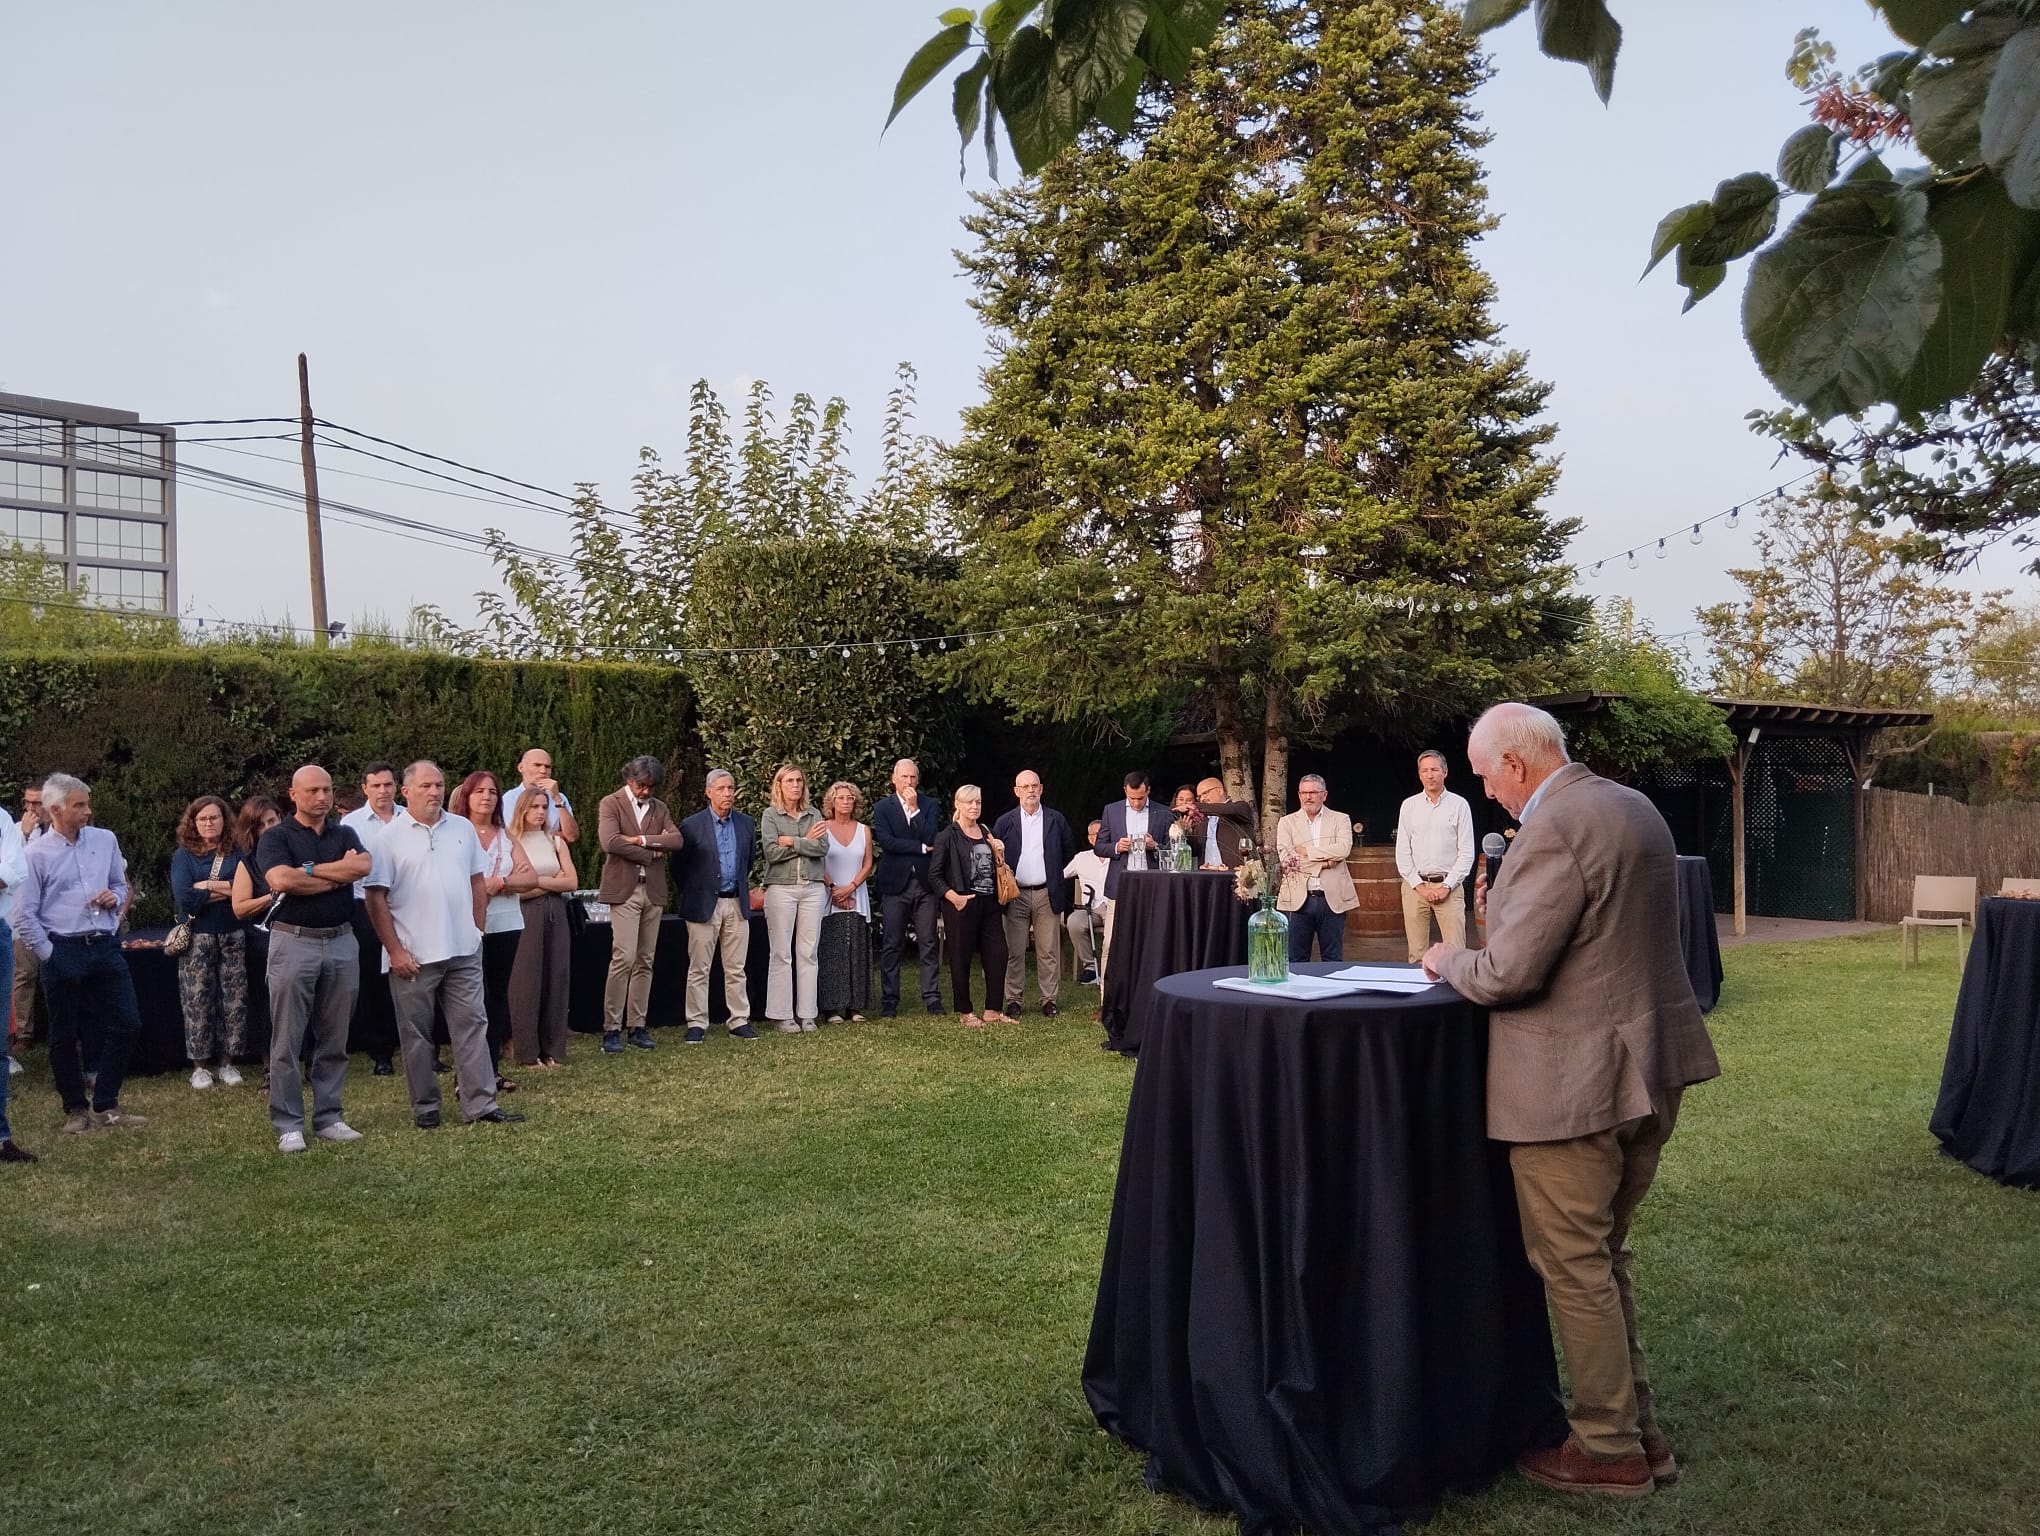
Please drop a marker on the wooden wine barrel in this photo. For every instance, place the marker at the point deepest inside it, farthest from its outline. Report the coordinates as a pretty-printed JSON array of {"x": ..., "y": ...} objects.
[{"x": 1379, "y": 887}]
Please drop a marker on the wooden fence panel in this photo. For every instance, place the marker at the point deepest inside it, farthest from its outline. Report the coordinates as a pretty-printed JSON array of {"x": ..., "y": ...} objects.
[{"x": 1907, "y": 835}]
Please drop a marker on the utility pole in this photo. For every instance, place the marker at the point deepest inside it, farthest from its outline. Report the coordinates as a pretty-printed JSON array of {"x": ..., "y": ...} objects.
[{"x": 314, "y": 537}]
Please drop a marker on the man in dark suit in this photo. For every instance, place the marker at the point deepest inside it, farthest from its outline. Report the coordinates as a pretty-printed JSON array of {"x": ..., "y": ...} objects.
[
  {"x": 1220, "y": 830},
  {"x": 904, "y": 827},
  {"x": 1131, "y": 833},
  {"x": 1593, "y": 1036},
  {"x": 637, "y": 834},
  {"x": 714, "y": 866},
  {"x": 1038, "y": 844}
]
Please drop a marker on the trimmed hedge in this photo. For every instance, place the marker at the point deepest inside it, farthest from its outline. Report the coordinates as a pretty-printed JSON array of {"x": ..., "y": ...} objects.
[{"x": 149, "y": 731}]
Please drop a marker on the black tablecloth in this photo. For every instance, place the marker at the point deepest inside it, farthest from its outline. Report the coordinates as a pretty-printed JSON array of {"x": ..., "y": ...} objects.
[
  {"x": 669, "y": 976},
  {"x": 1163, "y": 925},
  {"x": 1314, "y": 1308},
  {"x": 1699, "y": 938},
  {"x": 1988, "y": 1114}
]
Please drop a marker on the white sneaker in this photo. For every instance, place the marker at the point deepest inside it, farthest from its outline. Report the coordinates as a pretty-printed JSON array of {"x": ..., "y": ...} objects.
[
  {"x": 201, "y": 1078},
  {"x": 339, "y": 1130},
  {"x": 13, "y": 1067},
  {"x": 229, "y": 1075},
  {"x": 291, "y": 1141}
]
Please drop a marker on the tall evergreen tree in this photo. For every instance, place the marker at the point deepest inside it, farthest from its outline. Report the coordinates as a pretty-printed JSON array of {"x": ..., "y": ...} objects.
[{"x": 1248, "y": 402}]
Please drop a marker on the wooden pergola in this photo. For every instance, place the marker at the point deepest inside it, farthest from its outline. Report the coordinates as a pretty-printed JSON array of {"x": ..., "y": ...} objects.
[{"x": 1749, "y": 720}]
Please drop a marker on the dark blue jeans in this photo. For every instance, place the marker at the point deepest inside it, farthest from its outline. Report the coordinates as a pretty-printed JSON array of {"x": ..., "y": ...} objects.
[
  {"x": 90, "y": 995},
  {"x": 1316, "y": 920}
]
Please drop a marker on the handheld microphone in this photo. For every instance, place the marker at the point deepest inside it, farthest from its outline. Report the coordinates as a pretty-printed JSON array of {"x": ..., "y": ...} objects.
[{"x": 1492, "y": 847}]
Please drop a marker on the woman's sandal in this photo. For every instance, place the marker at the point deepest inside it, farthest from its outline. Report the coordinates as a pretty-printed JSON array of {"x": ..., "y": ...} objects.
[{"x": 972, "y": 1021}]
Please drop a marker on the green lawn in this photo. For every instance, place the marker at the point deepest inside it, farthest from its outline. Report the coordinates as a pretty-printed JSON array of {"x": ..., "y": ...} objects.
[{"x": 841, "y": 1283}]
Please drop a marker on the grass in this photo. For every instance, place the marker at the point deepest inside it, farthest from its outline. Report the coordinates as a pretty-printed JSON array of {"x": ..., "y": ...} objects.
[{"x": 841, "y": 1283}]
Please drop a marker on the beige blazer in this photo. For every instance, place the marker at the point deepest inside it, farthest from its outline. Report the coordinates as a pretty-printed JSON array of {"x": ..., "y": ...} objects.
[
  {"x": 1591, "y": 1016},
  {"x": 1335, "y": 842}
]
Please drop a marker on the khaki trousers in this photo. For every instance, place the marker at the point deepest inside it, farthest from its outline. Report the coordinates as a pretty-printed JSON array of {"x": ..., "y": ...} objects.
[
  {"x": 633, "y": 941},
  {"x": 1029, "y": 915},
  {"x": 1416, "y": 920},
  {"x": 1576, "y": 1199},
  {"x": 30, "y": 1022},
  {"x": 728, "y": 932}
]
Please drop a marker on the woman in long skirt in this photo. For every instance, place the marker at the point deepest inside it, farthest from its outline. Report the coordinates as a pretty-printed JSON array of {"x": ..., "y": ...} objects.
[{"x": 845, "y": 948}]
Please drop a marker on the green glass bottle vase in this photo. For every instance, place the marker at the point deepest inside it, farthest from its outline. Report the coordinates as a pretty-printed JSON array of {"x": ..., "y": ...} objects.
[{"x": 1268, "y": 944}]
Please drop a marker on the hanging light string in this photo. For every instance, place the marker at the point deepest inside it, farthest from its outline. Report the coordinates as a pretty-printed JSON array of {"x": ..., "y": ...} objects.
[{"x": 1661, "y": 547}]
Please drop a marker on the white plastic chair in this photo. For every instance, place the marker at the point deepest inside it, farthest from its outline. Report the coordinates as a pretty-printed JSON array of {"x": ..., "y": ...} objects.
[{"x": 1952, "y": 898}]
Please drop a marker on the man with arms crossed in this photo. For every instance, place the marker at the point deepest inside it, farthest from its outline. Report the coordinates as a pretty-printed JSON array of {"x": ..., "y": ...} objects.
[
  {"x": 428, "y": 902},
  {"x": 311, "y": 862},
  {"x": 1318, "y": 893},
  {"x": 1433, "y": 854},
  {"x": 636, "y": 833},
  {"x": 1593, "y": 1035}
]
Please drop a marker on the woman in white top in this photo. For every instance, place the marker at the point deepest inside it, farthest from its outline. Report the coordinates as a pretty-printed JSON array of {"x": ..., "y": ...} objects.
[
  {"x": 538, "y": 982},
  {"x": 845, "y": 947},
  {"x": 509, "y": 875}
]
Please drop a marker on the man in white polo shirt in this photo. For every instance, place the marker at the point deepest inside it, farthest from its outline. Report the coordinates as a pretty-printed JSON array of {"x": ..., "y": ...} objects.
[
  {"x": 1433, "y": 854},
  {"x": 427, "y": 899}
]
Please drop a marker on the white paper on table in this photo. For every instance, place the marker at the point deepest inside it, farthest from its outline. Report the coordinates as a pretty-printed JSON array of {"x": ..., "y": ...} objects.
[
  {"x": 1304, "y": 988},
  {"x": 1391, "y": 973}
]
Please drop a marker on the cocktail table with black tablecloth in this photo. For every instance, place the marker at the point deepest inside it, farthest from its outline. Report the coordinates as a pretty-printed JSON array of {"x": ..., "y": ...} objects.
[
  {"x": 1163, "y": 925},
  {"x": 1699, "y": 938},
  {"x": 1988, "y": 1114},
  {"x": 1314, "y": 1308}
]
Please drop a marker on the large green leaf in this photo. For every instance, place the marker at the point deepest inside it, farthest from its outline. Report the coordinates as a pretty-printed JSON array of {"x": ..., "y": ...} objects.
[
  {"x": 1836, "y": 310},
  {"x": 1699, "y": 278},
  {"x": 929, "y": 60},
  {"x": 1039, "y": 109},
  {"x": 1584, "y": 32},
  {"x": 1480, "y": 15},
  {"x": 2011, "y": 119},
  {"x": 1807, "y": 162},
  {"x": 1116, "y": 110},
  {"x": 1947, "y": 109},
  {"x": 1676, "y": 228},
  {"x": 1001, "y": 17},
  {"x": 1986, "y": 243},
  {"x": 1176, "y": 29},
  {"x": 957, "y": 16},
  {"x": 1918, "y": 20},
  {"x": 1094, "y": 47},
  {"x": 969, "y": 102},
  {"x": 1745, "y": 213}
]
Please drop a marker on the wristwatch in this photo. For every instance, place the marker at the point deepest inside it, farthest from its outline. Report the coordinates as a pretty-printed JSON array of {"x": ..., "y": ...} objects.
[{"x": 310, "y": 865}]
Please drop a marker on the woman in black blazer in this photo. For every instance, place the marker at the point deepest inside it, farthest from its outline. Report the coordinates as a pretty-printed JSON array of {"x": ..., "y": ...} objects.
[{"x": 963, "y": 870}]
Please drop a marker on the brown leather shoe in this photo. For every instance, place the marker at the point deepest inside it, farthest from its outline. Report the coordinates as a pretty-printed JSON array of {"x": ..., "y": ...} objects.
[
  {"x": 1571, "y": 1470},
  {"x": 1657, "y": 1454}
]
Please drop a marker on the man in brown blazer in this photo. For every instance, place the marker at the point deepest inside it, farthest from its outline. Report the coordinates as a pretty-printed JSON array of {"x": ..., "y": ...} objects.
[
  {"x": 1221, "y": 827},
  {"x": 637, "y": 836},
  {"x": 1593, "y": 1034}
]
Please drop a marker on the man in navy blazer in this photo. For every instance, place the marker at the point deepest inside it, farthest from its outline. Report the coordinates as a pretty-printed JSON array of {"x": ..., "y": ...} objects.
[
  {"x": 1131, "y": 833},
  {"x": 904, "y": 827},
  {"x": 1038, "y": 844},
  {"x": 714, "y": 868}
]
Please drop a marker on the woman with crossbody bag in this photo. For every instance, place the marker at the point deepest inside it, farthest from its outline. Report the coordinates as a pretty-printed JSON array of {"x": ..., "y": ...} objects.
[{"x": 212, "y": 970}]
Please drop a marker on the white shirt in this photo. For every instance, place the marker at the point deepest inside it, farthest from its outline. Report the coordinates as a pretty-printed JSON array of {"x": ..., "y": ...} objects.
[
  {"x": 429, "y": 874},
  {"x": 552, "y": 811},
  {"x": 1311, "y": 825},
  {"x": 13, "y": 864},
  {"x": 1029, "y": 869},
  {"x": 1211, "y": 854},
  {"x": 368, "y": 827},
  {"x": 1136, "y": 829},
  {"x": 1089, "y": 870},
  {"x": 1429, "y": 838},
  {"x": 506, "y": 908}
]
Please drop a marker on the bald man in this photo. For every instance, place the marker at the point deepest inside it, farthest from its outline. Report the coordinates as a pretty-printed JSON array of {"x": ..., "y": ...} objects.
[
  {"x": 535, "y": 771},
  {"x": 1593, "y": 1036},
  {"x": 312, "y": 862}
]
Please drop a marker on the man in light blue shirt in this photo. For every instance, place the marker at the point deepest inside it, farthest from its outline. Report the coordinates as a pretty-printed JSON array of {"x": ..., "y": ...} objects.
[{"x": 72, "y": 892}]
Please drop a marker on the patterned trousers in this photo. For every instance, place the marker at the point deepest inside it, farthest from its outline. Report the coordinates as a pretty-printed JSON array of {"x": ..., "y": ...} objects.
[{"x": 212, "y": 986}]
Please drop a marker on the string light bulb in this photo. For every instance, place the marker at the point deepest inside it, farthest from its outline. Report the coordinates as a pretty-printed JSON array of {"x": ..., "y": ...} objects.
[
  {"x": 1661, "y": 550},
  {"x": 1734, "y": 516},
  {"x": 1633, "y": 561},
  {"x": 1695, "y": 536}
]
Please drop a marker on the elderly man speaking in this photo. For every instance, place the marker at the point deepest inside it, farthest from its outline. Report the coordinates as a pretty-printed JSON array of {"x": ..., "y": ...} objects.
[{"x": 1593, "y": 1035}]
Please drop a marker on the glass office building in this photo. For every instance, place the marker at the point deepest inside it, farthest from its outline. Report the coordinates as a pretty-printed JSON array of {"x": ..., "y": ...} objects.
[{"x": 96, "y": 491}]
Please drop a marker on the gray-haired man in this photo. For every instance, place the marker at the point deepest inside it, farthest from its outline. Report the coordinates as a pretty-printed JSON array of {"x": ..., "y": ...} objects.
[{"x": 718, "y": 846}]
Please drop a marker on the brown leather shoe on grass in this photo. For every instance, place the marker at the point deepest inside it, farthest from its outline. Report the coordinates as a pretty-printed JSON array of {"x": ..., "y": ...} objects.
[
  {"x": 1571, "y": 1470},
  {"x": 1657, "y": 1454}
]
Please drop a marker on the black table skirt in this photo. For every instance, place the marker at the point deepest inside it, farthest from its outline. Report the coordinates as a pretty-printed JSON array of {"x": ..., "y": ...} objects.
[
  {"x": 1314, "y": 1308},
  {"x": 161, "y": 1046},
  {"x": 1988, "y": 1114},
  {"x": 1699, "y": 938},
  {"x": 1163, "y": 925}
]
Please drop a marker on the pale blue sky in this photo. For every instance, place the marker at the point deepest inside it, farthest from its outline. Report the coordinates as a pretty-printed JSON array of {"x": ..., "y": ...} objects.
[{"x": 514, "y": 233}]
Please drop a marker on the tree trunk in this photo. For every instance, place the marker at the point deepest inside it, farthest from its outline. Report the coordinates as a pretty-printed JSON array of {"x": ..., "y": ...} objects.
[
  {"x": 1235, "y": 758},
  {"x": 1274, "y": 759}
]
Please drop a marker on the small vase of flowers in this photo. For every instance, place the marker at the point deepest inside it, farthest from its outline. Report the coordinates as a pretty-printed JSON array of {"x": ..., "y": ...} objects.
[{"x": 1259, "y": 879}]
